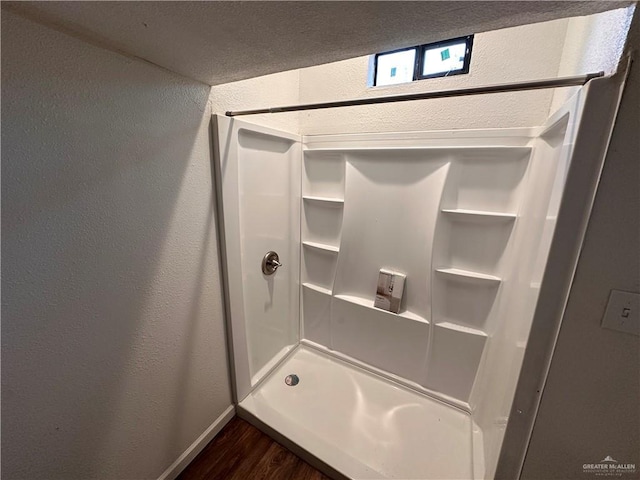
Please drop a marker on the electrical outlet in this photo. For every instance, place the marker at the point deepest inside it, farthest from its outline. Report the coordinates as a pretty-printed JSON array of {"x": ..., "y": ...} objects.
[{"x": 623, "y": 312}]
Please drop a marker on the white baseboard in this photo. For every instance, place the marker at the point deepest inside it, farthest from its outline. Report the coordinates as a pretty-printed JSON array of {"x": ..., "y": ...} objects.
[{"x": 196, "y": 447}]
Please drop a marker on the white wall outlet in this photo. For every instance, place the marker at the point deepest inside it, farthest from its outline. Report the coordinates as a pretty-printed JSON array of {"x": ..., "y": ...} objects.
[{"x": 623, "y": 312}]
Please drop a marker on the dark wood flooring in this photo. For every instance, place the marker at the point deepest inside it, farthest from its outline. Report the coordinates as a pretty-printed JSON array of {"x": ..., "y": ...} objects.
[{"x": 242, "y": 452}]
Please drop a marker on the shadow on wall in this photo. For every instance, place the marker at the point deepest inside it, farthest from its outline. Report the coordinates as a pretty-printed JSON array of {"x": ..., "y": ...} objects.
[{"x": 95, "y": 148}]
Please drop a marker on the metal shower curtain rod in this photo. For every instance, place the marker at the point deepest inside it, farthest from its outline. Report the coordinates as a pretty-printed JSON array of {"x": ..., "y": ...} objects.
[{"x": 498, "y": 88}]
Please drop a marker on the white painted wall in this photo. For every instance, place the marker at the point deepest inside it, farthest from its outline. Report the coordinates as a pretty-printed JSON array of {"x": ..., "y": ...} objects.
[
  {"x": 113, "y": 349},
  {"x": 563, "y": 47},
  {"x": 543, "y": 50},
  {"x": 261, "y": 92},
  {"x": 592, "y": 43},
  {"x": 512, "y": 54},
  {"x": 589, "y": 406},
  {"x": 508, "y": 55}
]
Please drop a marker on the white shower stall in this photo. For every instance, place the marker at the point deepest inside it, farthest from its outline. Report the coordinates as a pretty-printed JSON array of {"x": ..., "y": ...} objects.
[{"x": 469, "y": 216}]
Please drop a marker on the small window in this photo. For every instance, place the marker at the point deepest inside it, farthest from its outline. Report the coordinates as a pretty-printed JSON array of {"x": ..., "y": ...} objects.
[
  {"x": 441, "y": 59},
  {"x": 395, "y": 67}
]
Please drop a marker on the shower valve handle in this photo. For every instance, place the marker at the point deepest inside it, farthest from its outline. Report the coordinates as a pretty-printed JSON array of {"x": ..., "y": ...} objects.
[
  {"x": 275, "y": 263},
  {"x": 270, "y": 263}
]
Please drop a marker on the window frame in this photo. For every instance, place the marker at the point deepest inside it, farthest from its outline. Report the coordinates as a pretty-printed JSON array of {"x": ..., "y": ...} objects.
[
  {"x": 398, "y": 50},
  {"x": 419, "y": 59},
  {"x": 468, "y": 39}
]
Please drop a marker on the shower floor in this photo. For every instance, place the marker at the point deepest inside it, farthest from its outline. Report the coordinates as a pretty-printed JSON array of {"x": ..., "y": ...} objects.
[{"x": 362, "y": 425}]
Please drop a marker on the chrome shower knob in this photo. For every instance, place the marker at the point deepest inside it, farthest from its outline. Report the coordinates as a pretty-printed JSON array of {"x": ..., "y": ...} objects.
[{"x": 270, "y": 263}]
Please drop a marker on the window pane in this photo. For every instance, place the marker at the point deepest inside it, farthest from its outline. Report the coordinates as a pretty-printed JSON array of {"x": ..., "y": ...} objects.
[
  {"x": 443, "y": 60},
  {"x": 395, "y": 67}
]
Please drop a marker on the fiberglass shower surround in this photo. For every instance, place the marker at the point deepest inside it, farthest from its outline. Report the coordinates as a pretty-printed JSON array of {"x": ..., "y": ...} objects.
[{"x": 469, "y": 218}]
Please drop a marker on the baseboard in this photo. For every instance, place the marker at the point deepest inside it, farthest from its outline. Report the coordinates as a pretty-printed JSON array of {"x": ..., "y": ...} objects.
[{"x": 196, "y": 447}]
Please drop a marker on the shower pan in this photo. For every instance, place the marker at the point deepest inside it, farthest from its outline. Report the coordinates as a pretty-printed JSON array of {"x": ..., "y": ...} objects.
[{"x": 468, "y": 216}]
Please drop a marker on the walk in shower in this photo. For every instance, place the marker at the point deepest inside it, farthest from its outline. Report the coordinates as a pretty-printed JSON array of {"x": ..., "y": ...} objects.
[{"x": 468, "y": 216}]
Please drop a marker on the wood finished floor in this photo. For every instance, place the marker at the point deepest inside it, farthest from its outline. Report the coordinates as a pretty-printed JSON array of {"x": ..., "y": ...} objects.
[{"x": 242, "y": 452}]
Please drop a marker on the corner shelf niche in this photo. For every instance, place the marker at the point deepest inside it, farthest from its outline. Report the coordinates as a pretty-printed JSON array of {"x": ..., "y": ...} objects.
[
  {"x": 462, "y": 328},
  {"x": 317, "y": 288},
  {"x": 482, "y": 181},
  {"x": 323, "y": 175},
  {"x": 319, "y": 264},
  {"x": 454, "y": 359},
  {"x": 329, "y": 201},
  {"x": 478, "y": 213},
  {"x": 478, "y": 216},
  {"x": 321, "y": 246},
  {"x": 323, "y": 184},
  {"x": 464, "y": 299},
  {"x": 322, "y": 200},
  {"x": 469, "y": 276},
  {"x": 316, "y": 301}
]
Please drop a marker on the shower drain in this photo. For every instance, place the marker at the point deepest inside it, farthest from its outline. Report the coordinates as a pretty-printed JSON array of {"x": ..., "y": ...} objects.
[{"x": 292, "y": 380}]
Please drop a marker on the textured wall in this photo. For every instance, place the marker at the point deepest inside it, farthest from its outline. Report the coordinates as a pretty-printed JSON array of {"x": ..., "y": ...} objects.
[
  {"x": 508, "y": 55},
  {"x": 592, "y": 43},
  {"x": 589, "y": 406},
  {"x": 113, "y": 350},
  {"x": 266, "y": 91}
]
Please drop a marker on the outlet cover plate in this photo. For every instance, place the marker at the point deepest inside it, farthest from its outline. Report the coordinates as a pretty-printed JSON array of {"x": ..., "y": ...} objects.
[{"x": 623, "y": 312}]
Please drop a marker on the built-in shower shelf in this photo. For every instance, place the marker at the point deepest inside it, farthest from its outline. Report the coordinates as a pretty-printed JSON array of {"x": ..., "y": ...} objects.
[
  {"x": 466, "y": 275},
  {"x": 330, "y": 201},
  {"x": 365, "y": 302},
  {"x": 462, "y": 328},
  {"x": 321, "y": 246},
  {"x": 461, "y": 214},
  {"x": 317, "y": 288}
]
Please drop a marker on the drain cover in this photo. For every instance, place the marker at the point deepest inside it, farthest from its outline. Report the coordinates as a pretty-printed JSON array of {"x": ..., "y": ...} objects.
[{"x": 292, "y": 380}]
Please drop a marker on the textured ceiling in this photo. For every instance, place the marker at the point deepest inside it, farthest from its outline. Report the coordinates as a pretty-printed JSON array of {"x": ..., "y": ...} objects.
[{"x": 219, "y": 42}]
